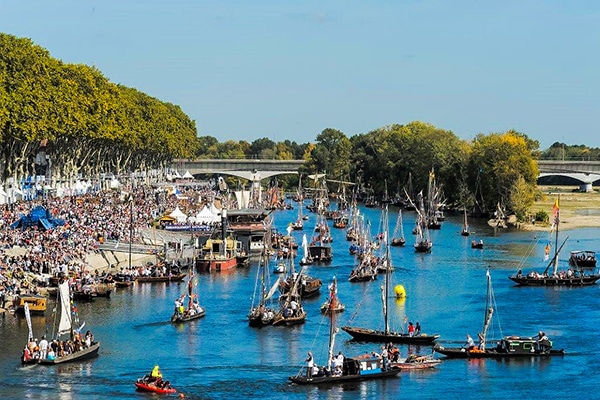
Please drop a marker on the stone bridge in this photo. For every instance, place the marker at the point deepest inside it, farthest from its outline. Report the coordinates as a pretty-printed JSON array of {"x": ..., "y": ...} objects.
[{"x": 586, "y": 172}]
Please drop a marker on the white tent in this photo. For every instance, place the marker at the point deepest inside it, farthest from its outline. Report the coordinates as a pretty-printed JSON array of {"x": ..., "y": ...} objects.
[
  {"x": 187, "y": 175},
  {"x": 178, "y": 215},
  {"x": 205, "y": 216},
  {"x": 215, "y": 212}
]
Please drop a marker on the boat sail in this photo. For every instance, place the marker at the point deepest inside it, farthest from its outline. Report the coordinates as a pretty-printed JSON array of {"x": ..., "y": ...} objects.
[
  {"x": 67, "y": 316},
  {"x": 507, "y": 347},
  {"x": 291, "y": 311},
  {"x": 263, "y": 313},
  {"x": 372, "y": 335},
  {"x": 571, "y": 277},
  {"x": 398, "y": 236},
  {"x": 423, "y": 242},
  {"x": 465, "y": 227},
  {"x": 433, "y": 213}
]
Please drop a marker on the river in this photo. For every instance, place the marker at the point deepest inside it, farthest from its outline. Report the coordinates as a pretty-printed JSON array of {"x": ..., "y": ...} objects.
[{"x": 220, "y": 356}]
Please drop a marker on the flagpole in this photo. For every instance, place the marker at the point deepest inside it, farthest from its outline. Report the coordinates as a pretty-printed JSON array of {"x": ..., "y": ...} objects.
[{"x": 556, "y": 222}]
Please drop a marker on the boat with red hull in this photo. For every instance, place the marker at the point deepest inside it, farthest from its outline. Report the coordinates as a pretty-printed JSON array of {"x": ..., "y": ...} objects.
[{"x": 144, "y": 386}]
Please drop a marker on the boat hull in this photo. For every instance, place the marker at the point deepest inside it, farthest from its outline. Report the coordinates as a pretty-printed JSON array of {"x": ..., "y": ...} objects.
[
  {"x": 555, "y": 281},
  {"x": 186, "y": 318},
  {"x": 216, "y": 264},
  {"x": 89, "y": 352},
  {"x": 150, "y": 279},
  {"x": 461, "y": 352},
  {"x": 321, "y": 380},
  {"x": 145, "y": 387},
  {"x": 371, "y": 335}
]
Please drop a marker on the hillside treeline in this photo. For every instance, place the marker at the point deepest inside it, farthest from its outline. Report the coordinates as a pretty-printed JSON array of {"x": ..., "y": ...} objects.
[
  {"x": 86, "y": 126},
  {"x": 83, "y": 122}
]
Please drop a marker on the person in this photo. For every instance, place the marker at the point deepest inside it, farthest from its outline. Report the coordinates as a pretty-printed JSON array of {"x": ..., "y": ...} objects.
[
  {"x": 417, "y": 329},
  {"x": 384, "y": 358},
  {"x": 294, "y": 307},
  {"x": 411, "y": 329},
  {"x": 470, "y": 344},
  {"x": 43, "y": 347},
  {"x": 310, "y": 363},
  {"x": 543, "y": 343},
  {"x": 338, "y": 364},
  {"x": 155, "y": 375}
]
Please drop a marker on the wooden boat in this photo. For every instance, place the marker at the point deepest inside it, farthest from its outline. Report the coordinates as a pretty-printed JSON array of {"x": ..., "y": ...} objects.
[
  {"x": 35, "y": 302},
  {"x": 507, "y": 347},
  {"x": 193, "y": 310},
  {"x": 423, "y": 242},
  {"x": 165, "y": 278},
  {"x": 298, "y": 225},
  {"x": 386, "y": 335},
  {"x": 65, "y": 317},
  {"x": 434, "y": 215},
  {"x": 332, "y": 304},
  {"x": 366, "y": 270},
  {"x": 360, "y": 368},
  {"x": 582, "y": 259},
  {"x": 291, "y": 311},
  {"x": 570, "y": 277},
  {"x": 144, "y": 385},
  {"x": 262, "y": 312},
  {"x": 218, "y": 255},
  {"x": 417, "y": 362},
  {"x": 398, "y": 239}
]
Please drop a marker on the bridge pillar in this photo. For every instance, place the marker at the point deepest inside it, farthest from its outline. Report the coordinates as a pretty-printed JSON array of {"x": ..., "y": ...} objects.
[{"x": 586, "y": 187}]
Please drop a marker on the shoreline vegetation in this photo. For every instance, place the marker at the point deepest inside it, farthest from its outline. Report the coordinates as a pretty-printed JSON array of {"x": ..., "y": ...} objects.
[{"x": 577, "y": 209}]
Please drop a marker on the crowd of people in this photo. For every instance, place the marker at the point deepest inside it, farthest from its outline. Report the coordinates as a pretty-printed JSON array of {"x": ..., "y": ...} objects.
[
  {"x": 50, "y": 350},
  {"x": 29, "y": 256}
]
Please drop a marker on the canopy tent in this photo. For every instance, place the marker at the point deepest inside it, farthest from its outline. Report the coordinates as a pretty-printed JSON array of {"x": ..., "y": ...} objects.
[
  {"x": 187, "y": 175},
  {"x": 206, "y": 216},
  {"x": 38, "y": 216},
  {"x": 178, "y": 215}
]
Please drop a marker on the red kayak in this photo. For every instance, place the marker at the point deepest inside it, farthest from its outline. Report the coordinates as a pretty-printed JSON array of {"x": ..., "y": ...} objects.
[{"x": 151, "y": 387}]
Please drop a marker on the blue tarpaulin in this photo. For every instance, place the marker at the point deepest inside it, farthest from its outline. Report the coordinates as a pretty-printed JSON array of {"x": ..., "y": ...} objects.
[{"x": 39, "y": 217}]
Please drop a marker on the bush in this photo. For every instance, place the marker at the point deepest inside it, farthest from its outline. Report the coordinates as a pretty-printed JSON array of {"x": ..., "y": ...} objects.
[{"x": 542, "y": 216}]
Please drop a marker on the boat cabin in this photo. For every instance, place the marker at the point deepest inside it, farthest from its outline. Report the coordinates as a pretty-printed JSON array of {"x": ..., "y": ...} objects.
[
  {"x": 36, "y": 304},
  {"x": 522, "y": 345},
  {"x": 583, "y": 259},
  {"x": 368, "y": 366},
  {"x": 320, "y": 253}
]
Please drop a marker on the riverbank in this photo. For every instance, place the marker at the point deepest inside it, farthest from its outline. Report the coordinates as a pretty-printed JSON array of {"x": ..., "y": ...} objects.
[{"x": 577, "y": 209}]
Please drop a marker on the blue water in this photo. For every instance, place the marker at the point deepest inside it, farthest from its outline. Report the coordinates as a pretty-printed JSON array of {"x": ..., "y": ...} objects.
[{"x": 219, "y": 356}]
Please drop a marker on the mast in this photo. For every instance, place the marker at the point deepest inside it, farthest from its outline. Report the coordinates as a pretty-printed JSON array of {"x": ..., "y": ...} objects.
[
  {"x": 332, "y": 328},
  {"x": 388, "y": 264},
  {"x": 556, "y": 222},
  {"x": 489, "y": 311}
]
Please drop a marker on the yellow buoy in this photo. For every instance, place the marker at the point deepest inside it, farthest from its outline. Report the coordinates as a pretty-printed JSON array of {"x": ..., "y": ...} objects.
[{"x": 400, "y": 292}]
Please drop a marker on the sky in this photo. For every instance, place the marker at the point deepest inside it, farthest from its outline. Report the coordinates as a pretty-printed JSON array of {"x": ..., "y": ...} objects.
[{"x": 282, "y": 69}]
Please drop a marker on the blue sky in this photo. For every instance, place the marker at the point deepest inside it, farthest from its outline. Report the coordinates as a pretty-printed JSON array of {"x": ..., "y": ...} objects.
[{"x": 250, "y": 69}]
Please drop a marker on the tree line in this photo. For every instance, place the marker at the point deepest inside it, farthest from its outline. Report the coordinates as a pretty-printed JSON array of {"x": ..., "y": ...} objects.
[{"x": 88, "y": 126}]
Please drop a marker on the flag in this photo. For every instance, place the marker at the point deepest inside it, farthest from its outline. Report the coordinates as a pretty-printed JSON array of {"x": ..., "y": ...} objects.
[
  {"x": 555, "y": 210},
  {"x": 547, "y": 251}
]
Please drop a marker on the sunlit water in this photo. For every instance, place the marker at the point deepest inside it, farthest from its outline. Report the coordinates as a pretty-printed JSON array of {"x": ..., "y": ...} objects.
[{"x": 220, "y": 356}]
